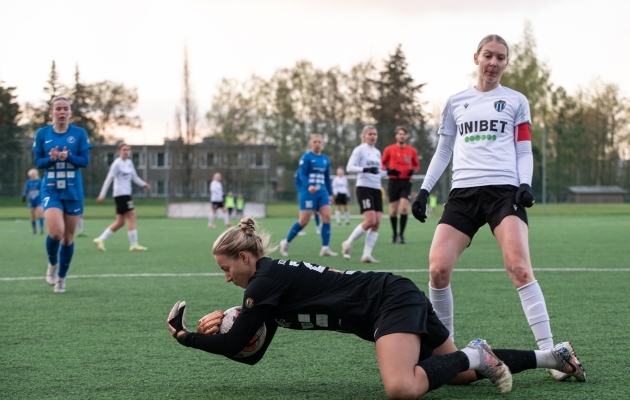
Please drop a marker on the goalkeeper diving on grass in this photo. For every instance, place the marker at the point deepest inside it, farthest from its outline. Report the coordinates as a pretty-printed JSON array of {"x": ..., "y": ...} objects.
[{"x": 414, "y": 351}]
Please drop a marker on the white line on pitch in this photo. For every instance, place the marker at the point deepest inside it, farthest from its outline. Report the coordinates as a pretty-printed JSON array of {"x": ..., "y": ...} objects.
[{"x": 210, "y": 274}]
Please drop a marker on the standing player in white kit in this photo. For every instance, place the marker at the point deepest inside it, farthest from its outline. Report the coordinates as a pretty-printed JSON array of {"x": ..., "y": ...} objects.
[
  {"x": 122, "y": 172},
  {"x": 487, "y": 128},
  {"x": 216, "y": 198}
]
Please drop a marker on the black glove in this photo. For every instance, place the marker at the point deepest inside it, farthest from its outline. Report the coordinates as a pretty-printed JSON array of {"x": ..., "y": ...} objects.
[
  {"x": 23, "y": 199},
  {"x": 393, "y": 172},
  {"x": 371, "y": 170},
  {"x": 524, "y": 196},
  {"x": 419, "y": 206},
  {"x": 411, "y": 171}
]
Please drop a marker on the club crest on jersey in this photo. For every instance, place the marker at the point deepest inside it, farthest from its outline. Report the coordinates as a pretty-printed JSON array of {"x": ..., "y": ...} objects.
[
  {"x": 249, "y": 302},
  {"x": 71, "y": 139},
  {"x": 499, "y": 105}
]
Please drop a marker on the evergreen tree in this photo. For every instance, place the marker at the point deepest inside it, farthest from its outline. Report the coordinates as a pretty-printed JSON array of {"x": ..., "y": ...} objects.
[
  {"x": 395, "y": 101},
  {"x": 11, "y": 135},
  {"x": 80, "y": 97}
]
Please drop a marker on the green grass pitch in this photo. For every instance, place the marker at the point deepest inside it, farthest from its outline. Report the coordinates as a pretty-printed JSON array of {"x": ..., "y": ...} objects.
[{"x": 106, "y": 337}]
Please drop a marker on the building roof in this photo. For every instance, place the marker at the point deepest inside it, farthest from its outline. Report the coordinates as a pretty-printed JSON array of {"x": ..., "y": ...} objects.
[{"x": 597, "y": 190}]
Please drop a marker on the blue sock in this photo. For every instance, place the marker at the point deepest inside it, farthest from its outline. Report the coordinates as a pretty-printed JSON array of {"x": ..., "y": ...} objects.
[
  {"x": 325, "y": 234},
  {"x": 52, "y": 248},
  {"x": 317, "y": 219},
  {"x": 295, "y": 229},
  {"x": 33, "y": 225},
  {"x": 41, "y": 224},
  {"x": 65, "y": 256}
]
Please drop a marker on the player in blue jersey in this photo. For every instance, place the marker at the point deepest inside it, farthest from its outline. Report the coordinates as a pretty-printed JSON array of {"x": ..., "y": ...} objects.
[
  {"x": 31, "y": 193},
  {"x": 297, "y": 181},
  {"x": 314, "y": 195},
  {"x": 61, "y": 150}
]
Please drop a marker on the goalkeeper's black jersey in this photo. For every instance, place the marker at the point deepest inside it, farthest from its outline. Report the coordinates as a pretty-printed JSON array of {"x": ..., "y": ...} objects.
[{"x": 304, "y": 296}]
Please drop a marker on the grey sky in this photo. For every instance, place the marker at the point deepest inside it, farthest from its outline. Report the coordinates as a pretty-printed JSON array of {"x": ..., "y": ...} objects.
[{"x": 140, "y": 42}]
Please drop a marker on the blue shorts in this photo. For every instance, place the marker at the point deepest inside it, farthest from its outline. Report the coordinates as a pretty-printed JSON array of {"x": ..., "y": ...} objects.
[
  {"x": 70, "y": 207},
  {"x": 34, "y": 203},
  {"x": 313, "y": 201}
]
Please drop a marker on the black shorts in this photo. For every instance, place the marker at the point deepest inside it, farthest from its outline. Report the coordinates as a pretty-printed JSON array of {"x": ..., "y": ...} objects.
[
  {"x": 124, "y": 204},
  {"x": 398, "y": 189},
  {"x": 217, "y": 204},
  {"x": 468, "y": 209},
  {"x": 369, "y": 199},
  {"x": 405, "y": 309},
  {"x": 341, "y": 199}
]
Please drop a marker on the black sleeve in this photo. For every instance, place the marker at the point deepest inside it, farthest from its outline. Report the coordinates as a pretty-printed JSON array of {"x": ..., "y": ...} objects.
[
  {"x": 272, "y": 327},
  {"x": 232, "y": 342}
]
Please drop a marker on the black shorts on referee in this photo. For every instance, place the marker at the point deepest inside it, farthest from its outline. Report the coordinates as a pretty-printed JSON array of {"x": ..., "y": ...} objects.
[
  {"x": 405, "y": 309},
  {"x": 369, "y": 199},
  {"x": 399, "y": 189},
  {"x": 468, "y": 209},
  {"x": 124, "y": 204}
]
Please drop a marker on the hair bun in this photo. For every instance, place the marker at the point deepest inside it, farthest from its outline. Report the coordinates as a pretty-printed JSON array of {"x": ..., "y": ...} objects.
[{"x": 247, "y": 225}]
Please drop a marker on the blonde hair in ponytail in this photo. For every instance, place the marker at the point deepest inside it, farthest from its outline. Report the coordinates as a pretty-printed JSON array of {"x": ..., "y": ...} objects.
[{"x": 243, "y": 237}]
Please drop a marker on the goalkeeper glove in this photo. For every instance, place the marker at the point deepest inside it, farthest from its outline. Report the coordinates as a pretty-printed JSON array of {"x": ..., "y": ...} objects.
[
  {"x": 371, "y": 170},
  {"x": 524, "y": 195},
  {"x": 209, "y": 324},
  {"x": 419, "y": 206},
  {"x": 393, "y": 172},
  {"x": 177, "y": 321}
]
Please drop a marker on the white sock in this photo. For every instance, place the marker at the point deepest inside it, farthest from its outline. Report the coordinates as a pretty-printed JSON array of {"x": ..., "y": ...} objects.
[
  {"x": 211, "y": 218},
  {"x": 356, "y": 233},
  {"x": 474, "y": 359},
  {"x": 347, "y": 216},
  {"x": 338, "y": 217},
  {"x": 226, "y": 218},
  {"x": 545, "y": 359},
  {"x": 106, "y": 234},
  {"x": 80, "y": 226},
  {"x": 370, "y": 242},
  {"x": 535, "y": 309},
  {"x": 442, "y": 301},
  {"x": 133, "y": 237}
]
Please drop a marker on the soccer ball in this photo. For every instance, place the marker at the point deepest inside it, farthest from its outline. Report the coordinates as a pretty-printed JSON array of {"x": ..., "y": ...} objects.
[{"x": 257, "y": 341}]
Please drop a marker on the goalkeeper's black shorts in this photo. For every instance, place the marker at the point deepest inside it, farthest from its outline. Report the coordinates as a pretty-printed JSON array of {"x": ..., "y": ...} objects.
[{"x": 405, "y": 309}]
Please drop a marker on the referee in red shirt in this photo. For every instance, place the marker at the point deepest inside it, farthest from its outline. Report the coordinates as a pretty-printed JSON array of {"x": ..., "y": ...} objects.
[{"x": 401, "y": 161}]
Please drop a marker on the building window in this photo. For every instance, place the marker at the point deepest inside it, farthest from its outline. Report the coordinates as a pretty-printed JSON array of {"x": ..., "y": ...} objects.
[
  {"x": 138, "y": 160},
  {"x": 207, "y": 160},
  {"x": 177, "y": 189},
  {"x": 257, "y": 159},
  {"x": 204, "y": 188},
  {"x": 158, "y": 188},
  {"x": 108, "y": 158},
  {"x": 159, "y": 160}
]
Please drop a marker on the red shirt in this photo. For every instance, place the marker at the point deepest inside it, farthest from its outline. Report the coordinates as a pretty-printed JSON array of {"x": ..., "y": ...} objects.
[{"x": 402, "y": 159}]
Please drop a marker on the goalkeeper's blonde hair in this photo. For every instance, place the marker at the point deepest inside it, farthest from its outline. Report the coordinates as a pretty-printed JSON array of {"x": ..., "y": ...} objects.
[{"x": 243, "y": 237}]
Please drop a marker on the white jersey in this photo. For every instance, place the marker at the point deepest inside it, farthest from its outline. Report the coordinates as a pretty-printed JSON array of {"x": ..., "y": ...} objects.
[
  {"x": 485, "y": 127},
  {"x": 366, "y": 156},
  {"x": 216, "y": 191},
  {"x": 122, "y": 172},
  {"x": 340, "y": 185}
]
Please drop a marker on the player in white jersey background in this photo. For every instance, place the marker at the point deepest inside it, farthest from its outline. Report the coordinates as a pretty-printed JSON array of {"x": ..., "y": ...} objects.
[
  {"x": 487, "y": 129},
  {"x": 341, "y": 192},
  {"x": 122, "y": 173},
  {"x": 216, "y": 198},
  {"x": 365, "y": 160}
]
